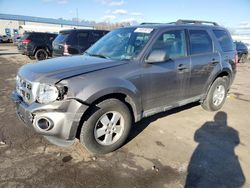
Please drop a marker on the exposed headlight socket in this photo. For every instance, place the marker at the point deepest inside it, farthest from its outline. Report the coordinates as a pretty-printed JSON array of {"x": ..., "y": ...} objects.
[{"x": 63, "y": 90}]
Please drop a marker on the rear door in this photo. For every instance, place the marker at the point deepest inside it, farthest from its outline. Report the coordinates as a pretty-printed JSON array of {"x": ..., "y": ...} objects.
[
  {"x": 226, "y": 47},
  {"x": 204, "y": 59}
]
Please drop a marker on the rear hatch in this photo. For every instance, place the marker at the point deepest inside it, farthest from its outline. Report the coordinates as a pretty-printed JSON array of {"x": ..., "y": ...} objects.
[
  {"x": 59, "y": 44},
  {"x": 23, "y": 42}
]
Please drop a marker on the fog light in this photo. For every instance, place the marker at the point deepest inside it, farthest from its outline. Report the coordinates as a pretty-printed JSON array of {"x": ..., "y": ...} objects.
[{"x": 44, "y": 124}]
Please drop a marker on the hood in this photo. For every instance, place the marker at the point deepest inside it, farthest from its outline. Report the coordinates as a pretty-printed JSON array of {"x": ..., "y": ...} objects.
[{"x": 54, "y": 70}]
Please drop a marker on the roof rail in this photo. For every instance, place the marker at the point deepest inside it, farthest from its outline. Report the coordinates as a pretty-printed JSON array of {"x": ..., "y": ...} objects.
[
  {"x": 195, "y": 22},
  {"x": 148, "y": 23}
]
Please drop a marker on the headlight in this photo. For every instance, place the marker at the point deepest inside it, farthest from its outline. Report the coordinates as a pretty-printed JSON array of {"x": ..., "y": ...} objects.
[{"x": 47, "y": 93}]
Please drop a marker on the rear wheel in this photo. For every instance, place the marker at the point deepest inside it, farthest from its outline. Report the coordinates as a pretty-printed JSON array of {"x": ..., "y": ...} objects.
[
  {"x": 216, "y": 95},
  {"x": 107, "y": 127},
  {"x": 41, "y": 54}
]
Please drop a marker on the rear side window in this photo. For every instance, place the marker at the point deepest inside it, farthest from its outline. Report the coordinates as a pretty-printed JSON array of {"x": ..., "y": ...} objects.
[
  {"x": 82, "y": 37},
  {"x": 39, "y": 37},
  {"x": 224, "y": 40},
  {"x": 200, "y": 42},
  {"x": 95, "y": 35}
]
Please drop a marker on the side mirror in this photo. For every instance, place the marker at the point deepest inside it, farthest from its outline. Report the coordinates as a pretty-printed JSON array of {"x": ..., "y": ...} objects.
[{"x": 157, "y": 56}]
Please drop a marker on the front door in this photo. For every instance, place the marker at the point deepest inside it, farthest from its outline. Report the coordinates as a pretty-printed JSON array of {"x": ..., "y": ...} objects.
[{"x": 165, "y": 83}]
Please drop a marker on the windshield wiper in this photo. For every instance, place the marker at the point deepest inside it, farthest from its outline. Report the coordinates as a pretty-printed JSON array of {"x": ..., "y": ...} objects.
[{"x": 97, "y": 55}]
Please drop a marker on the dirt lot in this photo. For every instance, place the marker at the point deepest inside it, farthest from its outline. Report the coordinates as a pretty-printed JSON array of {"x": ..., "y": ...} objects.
[{"x": 185, "y": 146}]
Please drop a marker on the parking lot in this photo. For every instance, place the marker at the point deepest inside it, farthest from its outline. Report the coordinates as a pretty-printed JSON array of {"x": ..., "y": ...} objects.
[{"x": 183, "y": 146}]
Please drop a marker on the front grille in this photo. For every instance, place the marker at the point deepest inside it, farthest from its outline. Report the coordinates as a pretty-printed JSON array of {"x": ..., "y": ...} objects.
[{"x": 24, "y": 89}]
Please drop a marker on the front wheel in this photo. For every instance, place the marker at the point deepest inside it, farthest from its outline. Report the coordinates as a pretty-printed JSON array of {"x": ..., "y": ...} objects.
[
  {"x": 243, "y": 58},
  {"x": 107, "y": 127},
  {"x": 216, "y": 95}
]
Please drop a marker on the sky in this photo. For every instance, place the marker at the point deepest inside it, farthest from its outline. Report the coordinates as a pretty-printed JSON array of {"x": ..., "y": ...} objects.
[{"x": 229, "y": 13}]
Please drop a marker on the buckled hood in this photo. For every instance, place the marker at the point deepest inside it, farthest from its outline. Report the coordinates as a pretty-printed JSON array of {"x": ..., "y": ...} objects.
[{"x": 54, "y": 70}]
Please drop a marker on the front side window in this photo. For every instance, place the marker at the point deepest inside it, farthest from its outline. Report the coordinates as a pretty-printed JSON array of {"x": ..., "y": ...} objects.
[
  {"x": 121, "y": 44},
  {"x": 200, "y": 42},
  {"x": 173, "y": 42}
]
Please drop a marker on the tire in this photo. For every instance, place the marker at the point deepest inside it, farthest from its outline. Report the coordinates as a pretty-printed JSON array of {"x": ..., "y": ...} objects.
[
  {"x": 41, "y": 54},
  {"x": 108, "y": 139},
  {"x": 210, "y": 103},
  {"x": 243, "y": 58}
]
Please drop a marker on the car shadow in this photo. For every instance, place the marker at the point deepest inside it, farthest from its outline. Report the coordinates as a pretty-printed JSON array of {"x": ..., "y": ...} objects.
[
  {"x": 214, "y": 163},
  {"x": 138, "y": 127}
]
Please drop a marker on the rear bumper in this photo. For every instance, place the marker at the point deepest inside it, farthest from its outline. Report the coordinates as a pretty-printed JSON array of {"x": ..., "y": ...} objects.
[
  {"x": 25, "y": 50},
  {"x": 64, "y": 116}
]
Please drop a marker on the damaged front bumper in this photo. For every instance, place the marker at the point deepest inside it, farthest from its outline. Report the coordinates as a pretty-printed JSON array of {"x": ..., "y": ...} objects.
[{"x": 57, "y": 121}]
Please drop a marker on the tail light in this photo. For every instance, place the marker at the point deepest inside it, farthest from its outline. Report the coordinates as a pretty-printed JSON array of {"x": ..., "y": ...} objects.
[
  {"x": 66, "y": 49},
  {"x": 26, "y": 41}
]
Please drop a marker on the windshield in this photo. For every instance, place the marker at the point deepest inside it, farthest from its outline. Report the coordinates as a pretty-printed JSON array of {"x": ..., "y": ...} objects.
[
  {"x": 121, "y": 44},
  {"x": 61, "y": 37}
]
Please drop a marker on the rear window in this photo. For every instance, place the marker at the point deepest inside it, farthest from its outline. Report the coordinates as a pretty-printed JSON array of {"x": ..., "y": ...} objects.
[
  {"x": 241, "y": 46},
  {"x": 224, "y": 40},
  {"x": 200, "y": 42},
  {"x": 25, "y": 36},
  {"x": 62, "y": 37}
]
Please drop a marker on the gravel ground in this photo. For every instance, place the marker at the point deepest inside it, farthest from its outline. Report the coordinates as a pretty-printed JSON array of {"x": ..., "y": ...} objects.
[{"x": 185, "y": 146}]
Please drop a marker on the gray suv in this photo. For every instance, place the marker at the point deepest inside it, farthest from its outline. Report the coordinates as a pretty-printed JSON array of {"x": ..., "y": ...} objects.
[{"x": 129, "y": 74}]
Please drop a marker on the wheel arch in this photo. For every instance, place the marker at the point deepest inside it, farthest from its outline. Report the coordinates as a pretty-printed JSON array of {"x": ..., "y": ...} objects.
[
  {"x": 224, "y": 72},
  {"x": 40, "y": 47},
  {"x": 123, "y": 97}
]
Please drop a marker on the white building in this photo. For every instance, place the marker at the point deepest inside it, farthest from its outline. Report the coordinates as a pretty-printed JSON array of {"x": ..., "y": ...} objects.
[{"x": 17, "y": 24}]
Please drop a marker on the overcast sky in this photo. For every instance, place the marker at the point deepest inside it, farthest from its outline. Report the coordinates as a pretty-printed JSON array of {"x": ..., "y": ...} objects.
[{"x": 230, "y": 13}]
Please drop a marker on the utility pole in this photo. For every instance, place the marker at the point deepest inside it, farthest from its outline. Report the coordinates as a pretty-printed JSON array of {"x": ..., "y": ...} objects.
[{"x": 77, "y": 17}]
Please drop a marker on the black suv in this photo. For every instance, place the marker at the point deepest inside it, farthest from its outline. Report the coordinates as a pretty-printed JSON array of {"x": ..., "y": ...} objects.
[
  {"x": 36, "y": 45},
  {"x": 242, "y": 51},
  {"x": 129, "y": 74},
  {"x": 75, "y": 41}
]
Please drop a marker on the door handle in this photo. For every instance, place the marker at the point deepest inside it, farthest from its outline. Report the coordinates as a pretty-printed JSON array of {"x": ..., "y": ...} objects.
[{"x": 181, "y": 67}]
